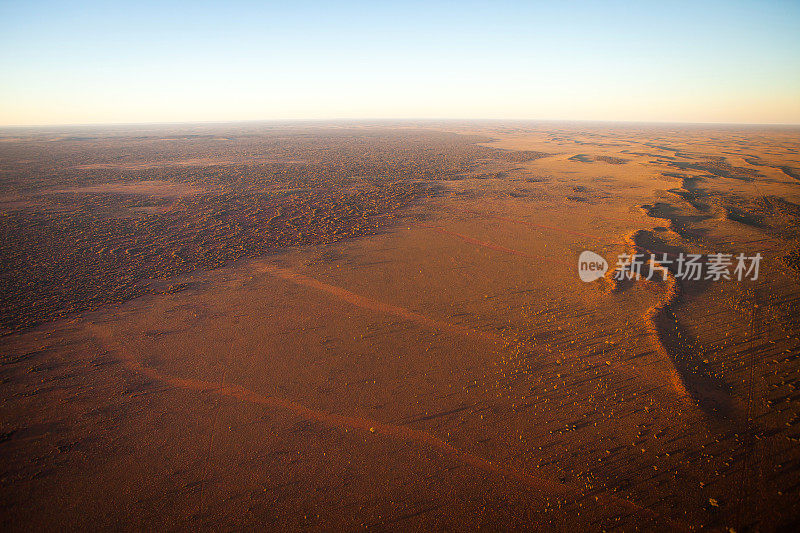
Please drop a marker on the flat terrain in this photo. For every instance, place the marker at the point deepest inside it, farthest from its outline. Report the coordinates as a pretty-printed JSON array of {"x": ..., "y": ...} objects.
[{"x": 325, "y": 326}]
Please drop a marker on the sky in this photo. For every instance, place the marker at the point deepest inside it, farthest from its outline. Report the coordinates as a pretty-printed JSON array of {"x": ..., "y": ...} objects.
[{"x": 196, "y": 61}]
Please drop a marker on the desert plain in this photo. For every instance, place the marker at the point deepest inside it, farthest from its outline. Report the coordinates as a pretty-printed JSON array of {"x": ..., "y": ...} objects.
[{"x": 381, "y": 326}]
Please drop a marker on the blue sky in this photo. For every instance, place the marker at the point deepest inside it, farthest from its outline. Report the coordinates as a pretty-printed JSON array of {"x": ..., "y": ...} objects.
[{"x": 96, "y": 62}]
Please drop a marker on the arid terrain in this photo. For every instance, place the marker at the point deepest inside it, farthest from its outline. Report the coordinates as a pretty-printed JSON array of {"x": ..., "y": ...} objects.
[{"x": 381, "y": 325}]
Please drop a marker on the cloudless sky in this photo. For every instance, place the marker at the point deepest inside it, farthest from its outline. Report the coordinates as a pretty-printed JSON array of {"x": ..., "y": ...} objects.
[{"x": 94, "y": 62}]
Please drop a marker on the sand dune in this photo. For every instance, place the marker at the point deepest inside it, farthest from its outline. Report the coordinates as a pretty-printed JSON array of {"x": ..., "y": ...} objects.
[{"x": 384, "y": 327}]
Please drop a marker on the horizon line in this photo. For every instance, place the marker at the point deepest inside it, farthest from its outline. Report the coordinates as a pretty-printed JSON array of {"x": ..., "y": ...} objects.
[{"x": 391, "y": 119}]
